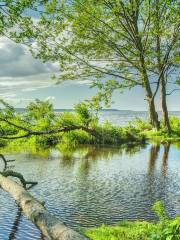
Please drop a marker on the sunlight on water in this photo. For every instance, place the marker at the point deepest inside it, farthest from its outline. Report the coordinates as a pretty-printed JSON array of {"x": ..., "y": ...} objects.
[{"x": 95, "y": 186}]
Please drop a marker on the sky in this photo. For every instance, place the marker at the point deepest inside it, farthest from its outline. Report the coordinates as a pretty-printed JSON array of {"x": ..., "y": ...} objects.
[{"x": 23, "y": 79}]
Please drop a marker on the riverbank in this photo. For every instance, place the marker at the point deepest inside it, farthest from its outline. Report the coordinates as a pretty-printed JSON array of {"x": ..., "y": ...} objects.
[
  {"x": 137, "y": 230},
  {"x": 164, "y": 229},
  {"x": 38, "y": 125},
  {"x": 135, "y": 133},
  {"x": 144, "y": 128}
]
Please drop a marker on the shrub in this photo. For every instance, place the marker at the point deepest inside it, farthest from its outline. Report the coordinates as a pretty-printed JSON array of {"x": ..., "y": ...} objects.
[
  {"x": 77, "y": 137},
  {"x": 141, "y": 124}
]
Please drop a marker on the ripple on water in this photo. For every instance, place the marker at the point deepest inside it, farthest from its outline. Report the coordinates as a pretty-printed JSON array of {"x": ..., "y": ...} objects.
[{"x": 90, "y": 191}]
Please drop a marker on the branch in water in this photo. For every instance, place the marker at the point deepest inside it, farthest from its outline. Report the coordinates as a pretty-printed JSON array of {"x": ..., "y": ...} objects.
[
  {"x": 50, "y": 226},
  {"x": 5, "y": 161},
  {"x": 10, "y": 173}
]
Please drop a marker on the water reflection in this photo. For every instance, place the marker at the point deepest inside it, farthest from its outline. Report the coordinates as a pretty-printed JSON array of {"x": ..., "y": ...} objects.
[
  {"x": 153, "y": 155},
  {"x": 158, "y": 179},
  {"x": 15, "y": 225},
  {"x": 96, "y": 185},
  {"x": 164, "y": 164}
]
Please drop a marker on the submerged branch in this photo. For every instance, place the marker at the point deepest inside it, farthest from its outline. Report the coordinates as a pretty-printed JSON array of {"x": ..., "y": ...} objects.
[
  {"x": 10, "y": 173},
  {"x": 5, "y": 161},
  {"x": 34, "y": 210},
  {"x": 49, "y": 225}
]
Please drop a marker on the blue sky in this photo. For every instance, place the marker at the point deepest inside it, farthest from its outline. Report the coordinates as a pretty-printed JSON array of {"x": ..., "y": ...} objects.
[{"x": 22, "y": 79}]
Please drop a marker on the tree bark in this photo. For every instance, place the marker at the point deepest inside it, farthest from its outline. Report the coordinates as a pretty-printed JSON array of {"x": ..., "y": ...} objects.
[
  {"x": 164, "y": 105},
  {"x": 153, "y": 115},
  {"x": 160, "y": 67},
  {"x": 49, "y": 225}
]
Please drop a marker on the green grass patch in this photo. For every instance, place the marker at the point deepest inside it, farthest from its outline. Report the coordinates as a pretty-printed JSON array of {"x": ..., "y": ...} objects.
[
  {"x": 164, "y": 229},
  {"x": 161, "y": 135}
]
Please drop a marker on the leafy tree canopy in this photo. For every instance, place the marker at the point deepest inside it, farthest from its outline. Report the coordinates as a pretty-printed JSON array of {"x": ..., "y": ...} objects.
[{"x": 107, "y": 38}]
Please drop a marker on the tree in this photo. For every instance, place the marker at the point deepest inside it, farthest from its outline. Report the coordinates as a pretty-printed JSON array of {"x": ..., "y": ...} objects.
[
  {"x": 37, "y": 121},
  {"x": 166, "y": 35},
  {"x": 126, "y": 43},
  {"x": 107, "y": 39},
  {"x": 13, "y": 13},
  {"x": 100, "y": 39}
]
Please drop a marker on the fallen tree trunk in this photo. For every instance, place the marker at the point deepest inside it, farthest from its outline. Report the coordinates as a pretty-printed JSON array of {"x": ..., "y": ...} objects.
[{"x": 49, "y": 225}]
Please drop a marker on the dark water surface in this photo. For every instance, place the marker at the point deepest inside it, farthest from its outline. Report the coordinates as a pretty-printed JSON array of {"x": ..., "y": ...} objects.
[{"x": 90, "y": 186}]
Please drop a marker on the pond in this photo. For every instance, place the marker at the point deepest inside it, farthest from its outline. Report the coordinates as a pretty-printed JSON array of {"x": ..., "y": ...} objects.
[{"x": 88, "y": 186}]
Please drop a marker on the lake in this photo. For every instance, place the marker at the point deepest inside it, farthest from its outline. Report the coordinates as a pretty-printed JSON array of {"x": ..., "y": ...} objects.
[{"x": 89, "y": 186}]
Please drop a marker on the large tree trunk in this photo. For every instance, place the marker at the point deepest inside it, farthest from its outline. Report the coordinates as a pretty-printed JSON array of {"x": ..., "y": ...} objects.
[
  {"x": 49, "y": 225},
  {"x": 164, "y": 105},
  {"x": 161, "y": 74},
  {"x": 153, "y": 115}
]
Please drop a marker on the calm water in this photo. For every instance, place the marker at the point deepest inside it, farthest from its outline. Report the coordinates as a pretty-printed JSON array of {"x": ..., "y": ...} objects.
[
  {"x": 90, "y": 186},
  {"x": 124, "y": 117}
]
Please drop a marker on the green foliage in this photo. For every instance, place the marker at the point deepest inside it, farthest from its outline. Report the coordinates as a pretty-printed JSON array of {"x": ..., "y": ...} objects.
[
  {"x": 169, "y": 231},
  {"x": 111, "y": 134},
  {"x": 46, "y": 141},
  {"x": 3, "y": 143},
  {"x": 76, "y": 137},
  {"x": 9, "y": 14},
  {"x": 84, "y": 114},
  {"x": 39, "y": 117},
  {"x": 159, "y": 209},
  {"x": 175, "y": 124},
  {"x": 142, "y": 125},
  {"x": 146, "y": 129},
  {"x": 110, "y": 42},
  {"x": 100, "y": 32},
  {"x": 38, "y": 110},
  {"x": 122, "y": 231},
  {"x": 78, "y": 127},
  {"x": 140, "y": 230}
]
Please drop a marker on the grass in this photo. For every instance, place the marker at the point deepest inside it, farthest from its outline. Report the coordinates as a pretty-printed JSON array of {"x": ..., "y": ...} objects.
[
  {"x": 161, "y": 135},
  {"x": 123, "y": 231},
  {"x": 138, "y": 230},
  {"x": 164, "y": 229}
]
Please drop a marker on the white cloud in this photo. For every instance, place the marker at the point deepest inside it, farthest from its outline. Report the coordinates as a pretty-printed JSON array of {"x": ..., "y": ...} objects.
[{"x": 21, "y": 73}]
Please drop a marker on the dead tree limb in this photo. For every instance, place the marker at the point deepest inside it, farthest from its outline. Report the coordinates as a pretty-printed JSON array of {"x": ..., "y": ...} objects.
[
  {"x": 5, "y": 161},
  {"x": 10, "y": 173},
  {"x": 49, "y": 225}
]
